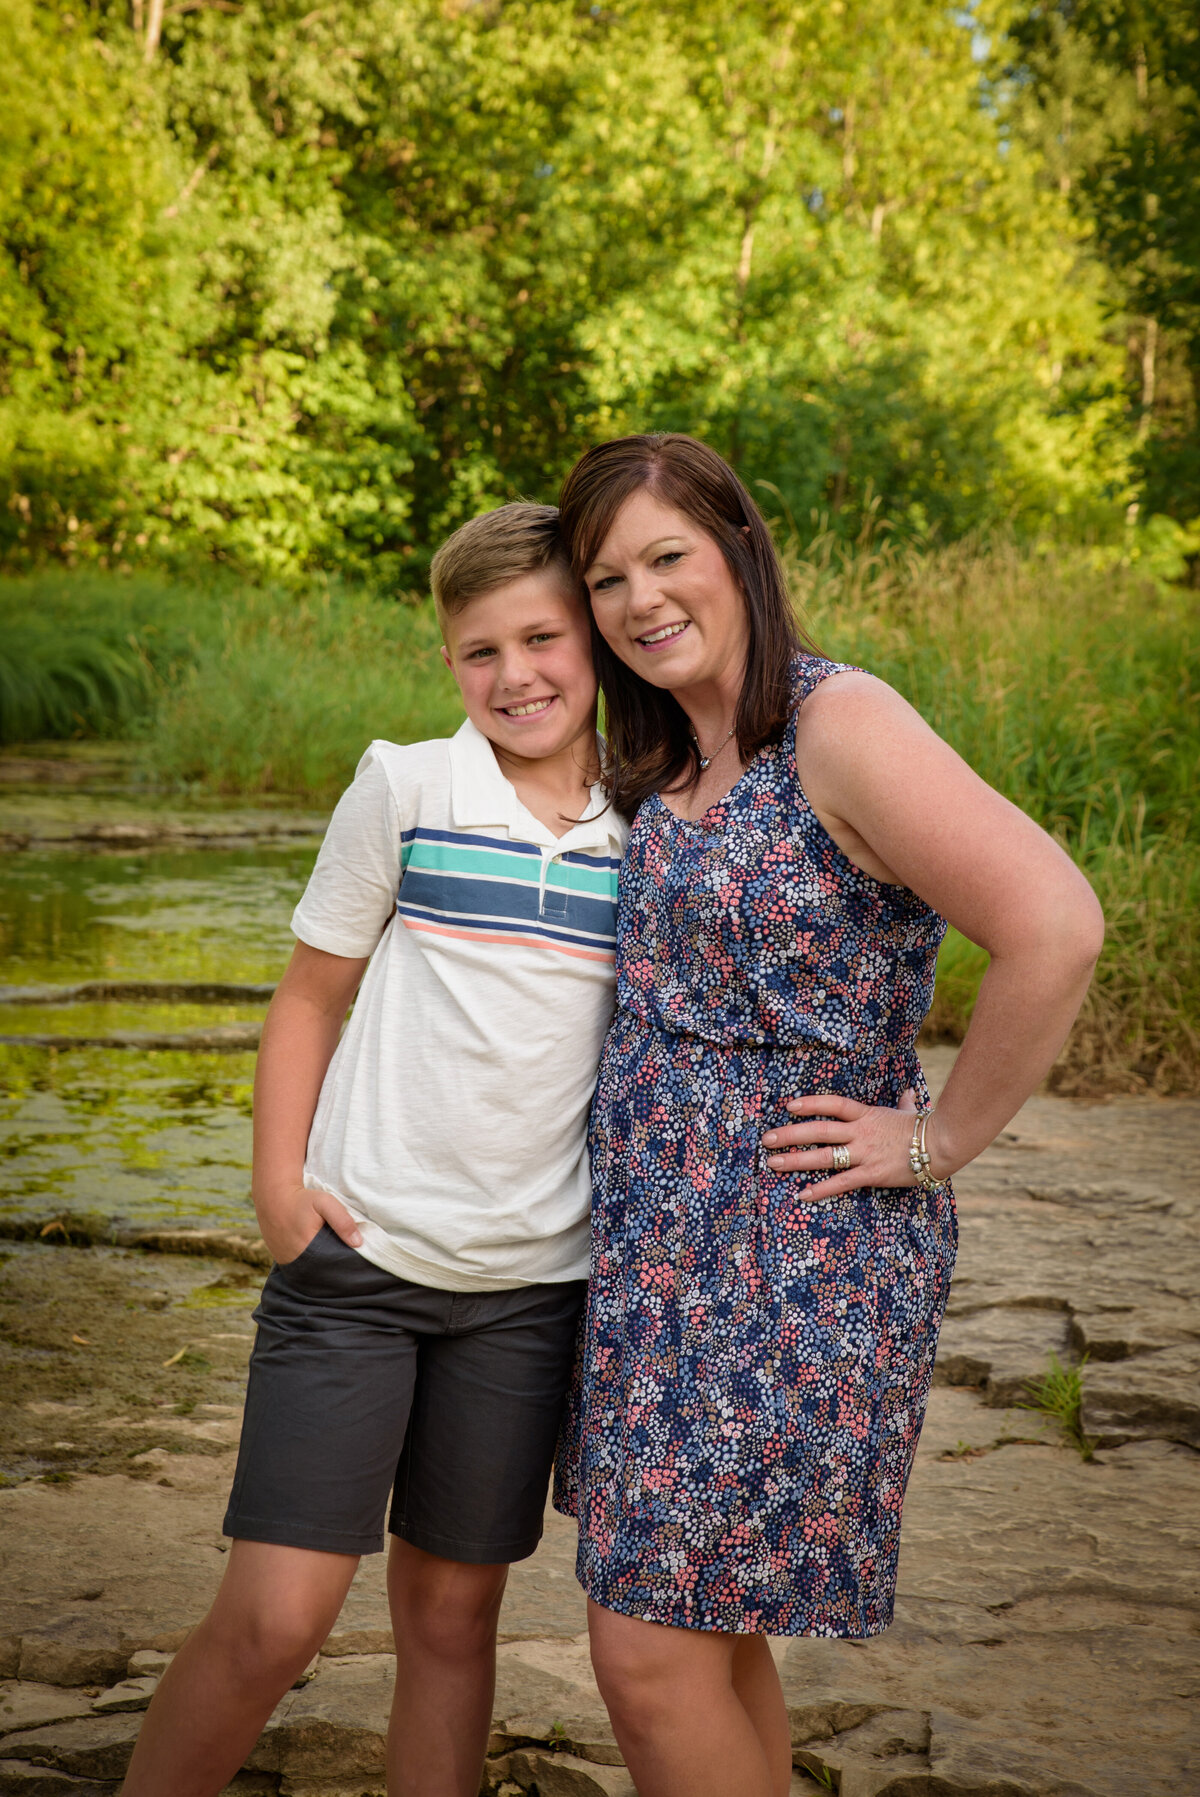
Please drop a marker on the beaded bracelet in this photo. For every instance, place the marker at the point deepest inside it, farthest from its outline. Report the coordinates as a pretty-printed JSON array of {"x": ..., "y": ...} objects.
[{"x": 918, "y": 1154}]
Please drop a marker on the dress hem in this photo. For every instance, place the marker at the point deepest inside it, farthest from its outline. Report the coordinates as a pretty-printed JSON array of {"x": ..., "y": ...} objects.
[{"x": 672, "y": 1621}]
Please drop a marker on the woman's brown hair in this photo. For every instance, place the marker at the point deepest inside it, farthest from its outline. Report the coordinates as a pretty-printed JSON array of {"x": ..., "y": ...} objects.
[{"x": 650, "y": 745}]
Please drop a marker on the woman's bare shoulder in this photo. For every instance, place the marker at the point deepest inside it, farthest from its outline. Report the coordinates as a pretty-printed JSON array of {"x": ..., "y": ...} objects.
[{"x": 851, "y": 708}]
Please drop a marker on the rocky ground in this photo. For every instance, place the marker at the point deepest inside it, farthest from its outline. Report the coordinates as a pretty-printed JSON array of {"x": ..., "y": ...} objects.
[{"x": 1046, "y": 1641}]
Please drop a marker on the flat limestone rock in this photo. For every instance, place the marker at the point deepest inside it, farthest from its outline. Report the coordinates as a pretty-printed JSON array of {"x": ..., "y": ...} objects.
[
  {"x": 72, "y": 1650},
  {"x": 1152, "y": 1395},
  {"x": 123, "y": 1699},
  {"x": 334, "y": 1728},
  {"x": 148, "y": 1663},
  {"x": 19, "y": 1779},
  {"x": 1046, "y": 1626},
  {"x": 24, "y": 1705},
  {"x": 88, "y": 1747},
  {"x": 564, "y": 1775},
  {"x": 546, "y": 1691},
  {"x": 1001, "y": 1349}
]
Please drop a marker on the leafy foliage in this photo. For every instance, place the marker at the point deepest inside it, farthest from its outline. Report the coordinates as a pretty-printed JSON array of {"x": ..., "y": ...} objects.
[
  {"x": 1108, "y": 96},
  {"x": 305, "y": 287}
]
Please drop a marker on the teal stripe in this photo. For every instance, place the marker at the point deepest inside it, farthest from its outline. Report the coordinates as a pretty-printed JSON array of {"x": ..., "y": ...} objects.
[{"x": 499, "y": 863}]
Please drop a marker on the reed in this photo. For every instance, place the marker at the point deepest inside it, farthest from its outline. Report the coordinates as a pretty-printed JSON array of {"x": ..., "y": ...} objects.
[
  {"x": 1070, "y": 683},
  {"x": 1073, "y": 686},
  {"x": 285, "y": 692}
]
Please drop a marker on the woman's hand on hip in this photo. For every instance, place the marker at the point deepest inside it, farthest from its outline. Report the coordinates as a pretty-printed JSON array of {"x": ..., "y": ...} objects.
[{"x": 877, "y": 1138}]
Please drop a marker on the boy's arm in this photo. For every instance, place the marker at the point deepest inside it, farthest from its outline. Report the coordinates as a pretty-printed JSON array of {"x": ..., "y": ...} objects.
[{"x": 298, "y": 1040}]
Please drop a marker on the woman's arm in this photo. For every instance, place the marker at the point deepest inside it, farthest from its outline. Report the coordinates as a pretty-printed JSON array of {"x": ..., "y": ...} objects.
[
  {"x": 298, "y": 1040},
  {"x": 904, "y": 806}
]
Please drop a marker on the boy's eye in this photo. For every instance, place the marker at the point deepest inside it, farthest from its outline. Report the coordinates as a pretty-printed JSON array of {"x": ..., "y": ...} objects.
[
  {"x": 478, "y": 654},
  {"x": 543, "y": 636}
]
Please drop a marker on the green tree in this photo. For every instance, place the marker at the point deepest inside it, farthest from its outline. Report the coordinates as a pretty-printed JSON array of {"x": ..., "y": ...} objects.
[
  {"x": 375, "y": 266},
  {"x": 1109, "y": 94}
]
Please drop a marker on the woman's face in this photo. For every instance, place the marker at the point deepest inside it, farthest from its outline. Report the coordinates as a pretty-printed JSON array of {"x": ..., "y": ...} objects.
[{"x": 664, "y": 599}]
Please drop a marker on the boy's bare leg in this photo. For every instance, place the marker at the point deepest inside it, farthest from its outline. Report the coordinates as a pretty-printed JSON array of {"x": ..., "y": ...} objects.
[
  {"x": 444, "y": 1616},
  {"x": 274, "y": 1608}
]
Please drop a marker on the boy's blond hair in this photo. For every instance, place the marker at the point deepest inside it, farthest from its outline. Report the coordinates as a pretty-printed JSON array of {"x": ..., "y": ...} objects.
[{"x": 489, "y": 551}]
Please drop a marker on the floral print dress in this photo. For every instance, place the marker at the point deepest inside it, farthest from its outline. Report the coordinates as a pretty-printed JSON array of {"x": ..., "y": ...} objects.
[{"x": 756, "y": 1360}]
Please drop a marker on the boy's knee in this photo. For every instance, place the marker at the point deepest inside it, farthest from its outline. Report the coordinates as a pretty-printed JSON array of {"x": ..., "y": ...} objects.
[
  {"x": 268, "y": 1644},
  {"x": 448, "y": 1610},
  {"x": 270, "y": 1648}
]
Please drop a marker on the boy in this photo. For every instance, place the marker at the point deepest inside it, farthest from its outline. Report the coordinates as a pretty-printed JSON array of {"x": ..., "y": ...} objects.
[{"x": 424, "y": 1189}]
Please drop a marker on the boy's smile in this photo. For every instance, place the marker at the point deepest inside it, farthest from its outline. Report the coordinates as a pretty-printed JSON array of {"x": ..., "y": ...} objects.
[{"x": 522, "y": 658}]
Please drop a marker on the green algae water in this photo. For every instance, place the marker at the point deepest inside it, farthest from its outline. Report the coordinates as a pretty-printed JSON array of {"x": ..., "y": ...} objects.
[{"x": 144, "y": 1135}]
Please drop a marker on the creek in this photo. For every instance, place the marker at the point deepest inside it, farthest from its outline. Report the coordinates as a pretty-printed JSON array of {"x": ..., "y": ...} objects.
[{"x": 139, "y": 941}]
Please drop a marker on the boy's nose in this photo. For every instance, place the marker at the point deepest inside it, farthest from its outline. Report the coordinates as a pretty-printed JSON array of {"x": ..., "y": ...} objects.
[{"x": 515, "y": 672}]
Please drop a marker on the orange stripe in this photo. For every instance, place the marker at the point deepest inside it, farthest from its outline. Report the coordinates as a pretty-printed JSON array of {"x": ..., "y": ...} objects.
[{"x": 559, "y": 948}]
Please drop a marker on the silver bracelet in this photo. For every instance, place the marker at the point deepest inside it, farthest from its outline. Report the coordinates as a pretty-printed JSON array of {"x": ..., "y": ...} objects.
[{"x": 918, "y": 1154}]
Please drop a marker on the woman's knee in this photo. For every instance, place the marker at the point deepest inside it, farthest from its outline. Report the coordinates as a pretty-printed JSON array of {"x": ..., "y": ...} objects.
[{"x": 644, "y": 1672}]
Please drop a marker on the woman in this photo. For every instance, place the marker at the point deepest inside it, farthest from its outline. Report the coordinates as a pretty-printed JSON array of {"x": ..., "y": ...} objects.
[{"x": 774, "y": 1230}]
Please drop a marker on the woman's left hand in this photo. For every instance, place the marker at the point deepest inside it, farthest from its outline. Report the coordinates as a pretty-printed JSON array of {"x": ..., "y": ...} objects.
[{"x": 878, "y": 1138}]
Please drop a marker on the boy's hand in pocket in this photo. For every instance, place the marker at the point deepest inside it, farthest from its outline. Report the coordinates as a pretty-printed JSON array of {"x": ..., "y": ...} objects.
[{"x": 290, "y": 1219}]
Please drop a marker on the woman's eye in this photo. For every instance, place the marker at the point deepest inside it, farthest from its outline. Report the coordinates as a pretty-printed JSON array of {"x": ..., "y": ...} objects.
[
  {"x": 602, "y": 585},
  {"x": 668, "y": 558}
]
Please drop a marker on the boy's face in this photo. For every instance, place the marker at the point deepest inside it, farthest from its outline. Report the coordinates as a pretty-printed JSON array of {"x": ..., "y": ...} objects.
[{"x": 522, "y": 657}]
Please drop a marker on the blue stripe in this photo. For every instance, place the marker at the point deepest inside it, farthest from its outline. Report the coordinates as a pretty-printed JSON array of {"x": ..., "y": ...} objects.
[{"x": 458, "y": 895}]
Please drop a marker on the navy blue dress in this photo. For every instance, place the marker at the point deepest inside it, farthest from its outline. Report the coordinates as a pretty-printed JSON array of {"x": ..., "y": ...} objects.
[{"x": 755, "y": 1360}]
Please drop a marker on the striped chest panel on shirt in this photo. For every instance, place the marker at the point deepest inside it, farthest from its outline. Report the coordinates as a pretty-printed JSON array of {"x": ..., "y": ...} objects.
[{"x": 478, "y": 888}]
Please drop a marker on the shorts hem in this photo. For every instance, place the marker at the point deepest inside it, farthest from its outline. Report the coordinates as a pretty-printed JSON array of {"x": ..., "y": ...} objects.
[
  {"x": 284, "y": 1534},
  {"x": 468, "y": 1553}
]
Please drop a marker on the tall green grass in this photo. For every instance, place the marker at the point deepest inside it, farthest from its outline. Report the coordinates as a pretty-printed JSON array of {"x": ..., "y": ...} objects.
[
  {"x": 85, "y": 654},
  {"x": 286, "y": 690},
  {"x": 1070, "y": 685},
  {"x": 1074, "y": 688},
  {"x": 229, "y": 688}
]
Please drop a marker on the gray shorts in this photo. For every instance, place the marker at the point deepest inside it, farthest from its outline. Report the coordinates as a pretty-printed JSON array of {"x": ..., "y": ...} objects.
[{"x": 363, "y": 1384}]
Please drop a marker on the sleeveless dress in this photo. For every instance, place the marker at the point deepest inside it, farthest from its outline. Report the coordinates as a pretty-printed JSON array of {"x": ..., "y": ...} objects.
[{"x": 755, "y": 1360}]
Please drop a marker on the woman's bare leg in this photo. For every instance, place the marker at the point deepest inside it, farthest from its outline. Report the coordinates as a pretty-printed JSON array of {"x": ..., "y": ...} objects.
[
  {"x": 274, "y": 1608},
  {"x": 756, "y": 1681},
  {"x": 444, "y": 1615},
  {"x": 681, "y": 1722}
]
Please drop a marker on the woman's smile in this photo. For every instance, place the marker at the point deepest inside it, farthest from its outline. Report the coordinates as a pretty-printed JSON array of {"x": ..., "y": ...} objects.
[
  {"x": 664, "y": 637},
  {"x": 664, "y": 598}
]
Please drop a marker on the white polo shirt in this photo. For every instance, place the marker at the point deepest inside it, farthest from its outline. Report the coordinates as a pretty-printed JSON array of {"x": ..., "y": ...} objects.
[{"x": 452, "y": 1122}]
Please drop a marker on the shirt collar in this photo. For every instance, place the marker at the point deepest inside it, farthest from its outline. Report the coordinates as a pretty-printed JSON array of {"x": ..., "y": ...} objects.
[{"x": 480, "y": 795}]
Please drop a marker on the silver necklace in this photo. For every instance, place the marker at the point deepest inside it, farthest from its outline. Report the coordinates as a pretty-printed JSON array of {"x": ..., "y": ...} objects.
[{"x": 705, "y": 759}]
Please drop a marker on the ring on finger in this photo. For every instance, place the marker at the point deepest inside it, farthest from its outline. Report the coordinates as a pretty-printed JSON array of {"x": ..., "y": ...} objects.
[{"x": 841, "y": 1158}]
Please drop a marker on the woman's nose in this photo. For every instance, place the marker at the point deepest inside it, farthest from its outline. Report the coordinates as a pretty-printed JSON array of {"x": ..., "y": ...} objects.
[{"x": 642, "y": 594}]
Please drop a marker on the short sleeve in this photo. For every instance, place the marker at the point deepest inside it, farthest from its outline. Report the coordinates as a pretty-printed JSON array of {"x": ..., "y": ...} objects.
[{"x": 352, "y": 891}]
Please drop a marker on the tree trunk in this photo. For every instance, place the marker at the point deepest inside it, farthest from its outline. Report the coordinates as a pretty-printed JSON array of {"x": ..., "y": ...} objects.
[
  {"x": 1149, "y": 355},
  {"x": 154, "y": 28}
]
